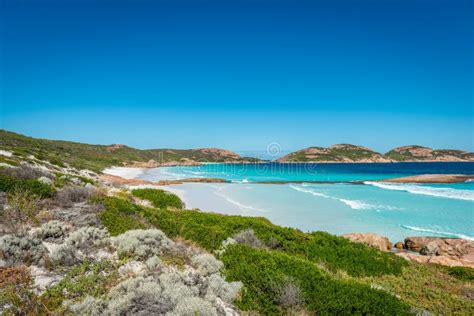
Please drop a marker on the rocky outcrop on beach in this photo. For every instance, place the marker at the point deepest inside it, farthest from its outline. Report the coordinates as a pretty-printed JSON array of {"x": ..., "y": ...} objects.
[
  {"x": 116, "y": 180},
  {"x": 433, "y": 178},
  {"x": 454, "y": 247},
  {"x": 342, "y": 153},
  {"x": 444, "y": 251},
  {"x": 370, "y": 239},
  {"x": 420, "y": 153},
  {"x": 450, "y": 252}
]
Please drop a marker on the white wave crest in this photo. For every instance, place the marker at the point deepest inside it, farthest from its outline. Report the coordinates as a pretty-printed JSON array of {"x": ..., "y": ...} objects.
[
  {"x": 448, "y": 193},
  {"x": 432, "y": 231},
  {"x": 236, "y": 203},
  {"x": 354, "y": 204}
]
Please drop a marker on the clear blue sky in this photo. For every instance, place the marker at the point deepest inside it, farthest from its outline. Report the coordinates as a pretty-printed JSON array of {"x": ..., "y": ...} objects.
[{"x": 239, "y": 74}]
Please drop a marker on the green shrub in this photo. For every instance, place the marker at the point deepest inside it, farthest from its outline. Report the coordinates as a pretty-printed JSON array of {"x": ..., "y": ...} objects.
[
  {"x": 259, "y": 269},
  {"x": 120, "y": 215},
  {"x": 462, "y": 273},
  {"x": 209, "y": 230},
  {"x": 159, "y": 198},
  {"x": 83, "y": 280},
  {"x": 11, "y": 184}
]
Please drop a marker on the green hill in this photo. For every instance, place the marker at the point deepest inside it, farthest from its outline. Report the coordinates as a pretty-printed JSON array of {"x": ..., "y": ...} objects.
[
  {"x": 335, "y": 153},
  {"x": 351, "y": 153},
  {"x": 420, "y": 153},
  {"x": 98, "y": 157}
]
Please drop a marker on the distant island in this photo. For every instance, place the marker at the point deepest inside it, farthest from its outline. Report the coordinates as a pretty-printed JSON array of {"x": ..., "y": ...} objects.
[{"x": 347, "y": 153}]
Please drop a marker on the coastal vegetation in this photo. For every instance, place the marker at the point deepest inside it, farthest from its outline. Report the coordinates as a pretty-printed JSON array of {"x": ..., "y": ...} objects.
[
  {"x": 316, "y": 272},
  {"x": 98, "y": 157},
  {"x": 73, "y": 244}
]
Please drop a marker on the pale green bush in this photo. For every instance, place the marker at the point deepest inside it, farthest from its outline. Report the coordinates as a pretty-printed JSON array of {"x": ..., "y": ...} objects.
[
  {"x": 217, "y": 286},
  {"x": 191, "y": 306},
  {"x": 16, "y": 249},
  {"x": 52, "y": 231},
  {"x": 206, "y": 264},
  {"x": 80, "y": 245},
  {"x": 248, "y": 237},
  {"x": 142, "y": 243},
  {"x": 139, "y": 295},
  {"x": 153, "y": 263},
  {"x": 88, "y": 237}
]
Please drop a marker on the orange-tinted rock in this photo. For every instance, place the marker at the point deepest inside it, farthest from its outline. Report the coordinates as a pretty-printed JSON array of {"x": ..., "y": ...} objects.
[{"x": 370, "y": 239}]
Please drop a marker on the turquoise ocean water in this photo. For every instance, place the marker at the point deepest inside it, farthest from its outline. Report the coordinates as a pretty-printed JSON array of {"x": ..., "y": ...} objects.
[{"x": 338, "y": 206}]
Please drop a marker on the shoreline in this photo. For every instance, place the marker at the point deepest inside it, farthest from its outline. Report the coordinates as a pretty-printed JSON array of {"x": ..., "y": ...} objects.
[{"x": 130, "y": 175}]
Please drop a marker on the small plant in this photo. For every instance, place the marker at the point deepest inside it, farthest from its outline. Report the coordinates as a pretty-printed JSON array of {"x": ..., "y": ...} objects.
[
  {"x": 288, "y": 294},
  {"x": 462, "y": 273},
  {"x": 86, "y": 279},
  {"x": 227, "y": 291},
  {"x": 80, "y": 245},
  {"x": 15, "y": 249},
  {"x": 53, "y": 231},
  {"x": 248, "y": 237},
  {"x": 207, "y": 264},
  {"x": 69, "y": 195},
  {"x": 159, "y": 198},
  {"x": 11, "y": 184},
  {"x": 25, "y": 172},
  {"x": 142, "y": 243},
  {"x": 21, "y": 210},
  {"x": 191, "y": 306},
  {"x": 16, "y": 293}
]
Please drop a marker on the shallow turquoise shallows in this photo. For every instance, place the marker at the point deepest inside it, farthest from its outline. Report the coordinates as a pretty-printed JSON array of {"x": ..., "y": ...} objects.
[{"x": 392, "y": 210}]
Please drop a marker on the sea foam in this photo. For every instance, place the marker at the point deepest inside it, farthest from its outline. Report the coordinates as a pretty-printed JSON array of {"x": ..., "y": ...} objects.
[
  {"x": 448, "y": 193},
  {"x": 437, "y": 232},
  {"x": 354, "y": 204}
]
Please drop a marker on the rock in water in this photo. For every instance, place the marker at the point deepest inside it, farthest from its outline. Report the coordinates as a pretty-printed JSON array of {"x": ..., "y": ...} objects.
[{"x": 370, "y": 239}]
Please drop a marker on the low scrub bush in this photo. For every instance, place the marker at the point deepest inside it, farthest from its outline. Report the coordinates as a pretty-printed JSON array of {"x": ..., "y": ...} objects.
[
  {"x": 12, "y": 184},
  {"x": 247, "y": 237},
  {"x": 219, "y": 287},
  {"x": 191, "y": 306},
  {"x": 462, "y": 273},
  {"x": 120, "y": 215},
  {"x": 16, "y": 293},
  {"x": 21, "y": 249},
  {"x": 69, "y": 195},
  {"x": 86, "y": 279},
  {"x": 142, "y": 243},
  {"x": 21, "y": 210},
  {"x": 159, "y": 198},
  {"x": 25, "y": 173},
  {"x": 53, "y": 231},
  {"x": 81, "y": 245},
  {"x": 260, "y": 269},
  {"x": 162, "y": 293},
  {"x": 206, "y": 264},
  {"x": 288, "y": 294}
]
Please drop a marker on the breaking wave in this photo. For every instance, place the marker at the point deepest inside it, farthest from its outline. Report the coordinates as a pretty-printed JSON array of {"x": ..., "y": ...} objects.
[
  {"x": 354, "y": 204},
  {"x": 236, "y": 203},
  {"x": 437, "y": 232},
  {"x": 448, "y": 193}
]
